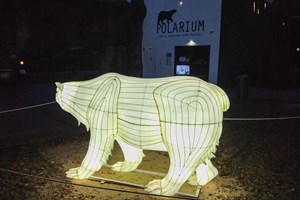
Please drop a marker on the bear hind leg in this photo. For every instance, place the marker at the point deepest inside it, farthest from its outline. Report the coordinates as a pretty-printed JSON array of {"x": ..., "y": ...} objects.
[{"x": 178, "y": 174}]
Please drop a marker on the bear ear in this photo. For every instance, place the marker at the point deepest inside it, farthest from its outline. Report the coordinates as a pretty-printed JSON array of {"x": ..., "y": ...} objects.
[{"x": 59, "y": 85}]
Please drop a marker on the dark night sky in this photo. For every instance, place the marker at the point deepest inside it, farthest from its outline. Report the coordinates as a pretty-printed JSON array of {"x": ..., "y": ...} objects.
[{"x": 256, "y": 44}]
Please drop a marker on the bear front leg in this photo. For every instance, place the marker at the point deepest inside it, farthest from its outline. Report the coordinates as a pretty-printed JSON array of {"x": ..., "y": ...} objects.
[
  {"x": 99, "y": 150},
  {"x": 133, "y": 157}
]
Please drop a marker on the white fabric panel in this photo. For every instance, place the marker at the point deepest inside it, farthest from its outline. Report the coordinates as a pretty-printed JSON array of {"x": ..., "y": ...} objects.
[{"x": 181, "y": 115}]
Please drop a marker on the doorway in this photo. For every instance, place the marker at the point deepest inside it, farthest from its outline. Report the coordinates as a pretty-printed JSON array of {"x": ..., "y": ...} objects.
[{"x": 192, "y": 61}]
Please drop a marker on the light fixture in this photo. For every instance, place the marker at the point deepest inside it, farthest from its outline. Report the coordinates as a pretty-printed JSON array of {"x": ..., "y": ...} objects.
[
  {"x": 181, "y": 115},
  {"x": 191, "y": 43}
]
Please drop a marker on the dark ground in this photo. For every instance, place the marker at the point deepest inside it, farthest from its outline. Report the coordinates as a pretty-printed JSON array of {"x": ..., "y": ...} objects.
[{"x": 263, "y": 156}]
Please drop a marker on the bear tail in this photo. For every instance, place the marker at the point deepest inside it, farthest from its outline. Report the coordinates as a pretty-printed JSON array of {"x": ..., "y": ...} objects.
[{"x": 223, "y": 98}]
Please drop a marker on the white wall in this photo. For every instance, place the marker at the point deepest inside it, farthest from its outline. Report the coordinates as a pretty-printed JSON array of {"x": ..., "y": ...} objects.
[{"x": 196, "y": 20}]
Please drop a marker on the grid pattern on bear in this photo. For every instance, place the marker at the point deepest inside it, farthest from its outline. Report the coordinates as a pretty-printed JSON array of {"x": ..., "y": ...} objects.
[{"x": 181, "y": 115}]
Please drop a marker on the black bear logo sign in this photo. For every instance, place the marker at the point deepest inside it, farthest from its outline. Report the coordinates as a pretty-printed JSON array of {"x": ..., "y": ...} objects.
[{"x": 165, "y": 15}]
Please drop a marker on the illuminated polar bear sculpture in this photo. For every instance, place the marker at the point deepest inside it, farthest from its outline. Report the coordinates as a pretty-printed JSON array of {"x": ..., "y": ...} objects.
[{"x": 181, "y": 115}]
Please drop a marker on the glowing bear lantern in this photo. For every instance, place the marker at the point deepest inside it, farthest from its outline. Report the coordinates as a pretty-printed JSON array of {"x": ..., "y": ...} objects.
[{"x": 181, "y": 115}]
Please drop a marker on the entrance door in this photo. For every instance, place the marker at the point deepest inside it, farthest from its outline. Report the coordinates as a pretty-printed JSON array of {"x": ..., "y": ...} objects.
[{"x": 192, "y": 60}]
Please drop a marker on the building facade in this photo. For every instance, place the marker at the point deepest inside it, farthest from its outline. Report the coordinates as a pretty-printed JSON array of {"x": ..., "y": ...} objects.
[{"x": 181, "y": 38}]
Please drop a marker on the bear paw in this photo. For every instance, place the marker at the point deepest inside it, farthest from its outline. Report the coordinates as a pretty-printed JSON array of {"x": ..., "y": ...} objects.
[
  {"x": 161, "y": 187},
  {"x": 206, "y": 172},
  {"x": 193, "y": 180},
  {"x": 154, "y": 187},
  {"x": 80, "y": 173},
  {"x": 125, "y": 166}
]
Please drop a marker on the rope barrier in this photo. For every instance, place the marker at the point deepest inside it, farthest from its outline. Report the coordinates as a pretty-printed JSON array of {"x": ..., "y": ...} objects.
[
  {"x": 89, "y": 186},
  {"x": 225, "y": 119},
  {"x": 260, "y": 118},
  {"x": 110, "y": 189},
  {"x": 27, "y": 107}
]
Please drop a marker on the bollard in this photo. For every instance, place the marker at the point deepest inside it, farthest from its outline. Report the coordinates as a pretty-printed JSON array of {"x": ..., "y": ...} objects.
[{"x": 242, "y": 88}]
